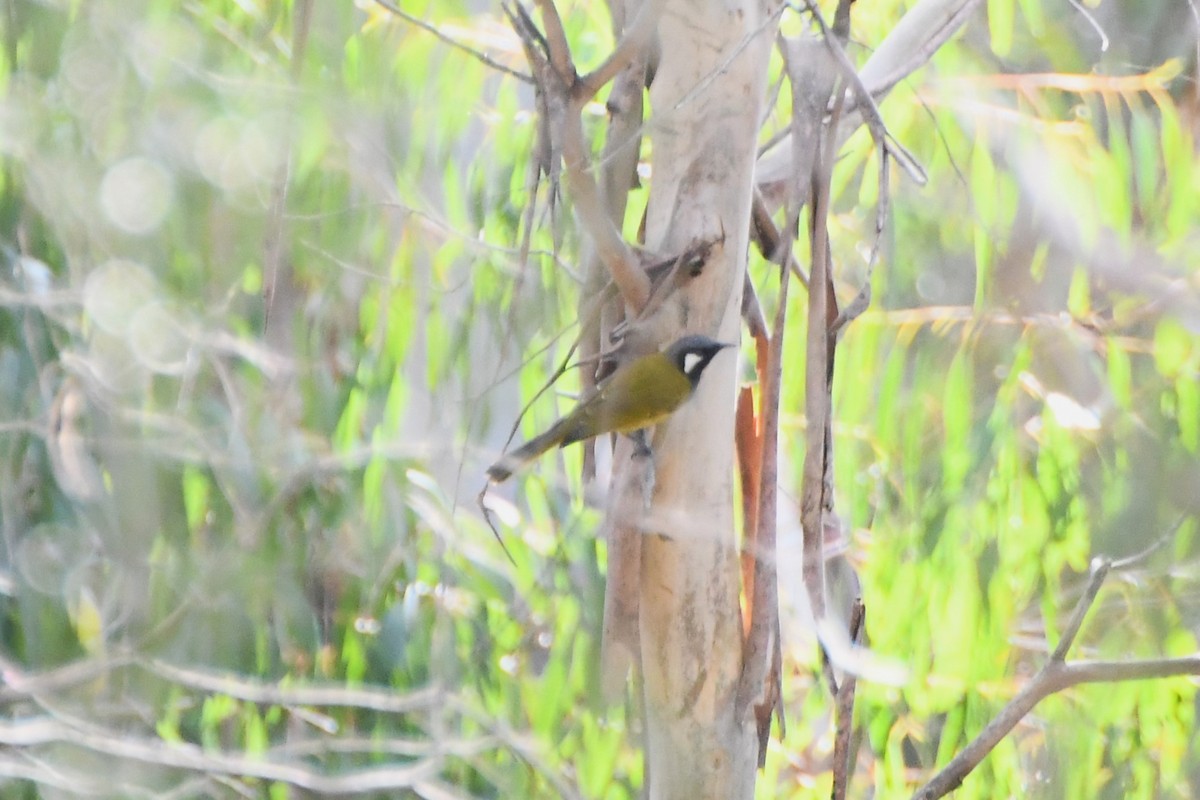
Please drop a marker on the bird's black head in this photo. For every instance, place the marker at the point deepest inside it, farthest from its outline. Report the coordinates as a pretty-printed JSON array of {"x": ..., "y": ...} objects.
[{"x": 691, "y": 354}]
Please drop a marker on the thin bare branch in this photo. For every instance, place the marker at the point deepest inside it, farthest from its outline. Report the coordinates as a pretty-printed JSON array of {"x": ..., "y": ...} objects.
[
  {"x": 556, "y": 42},
  {"x": 45, "y": 775},
  {"x": 21, "y": 684},
  {"x": 845, "y": 709},
  {"x": 486, "y": 513},
  {"x": 614, "y": 251},
  {"x": 633, "y": 44},
  {"x": 1100, "y": 569},
  {"x": 556, "y": 78},
  {"x": 767, "y": 237},
  {"x": 30, "y": 731},
  {"x": 1137, "y": 558},
  {"x": 46, "y": 689},
  {"x": 618, "y": 175},
  {"x": 457, "y": 45},
  {"x": 862, "y": 300},
  {"x": 912, "y": 42},
  {"x": 866, "y": 104},
  {"x": 1054, "y": 677},
  {"x": 752, "y": 313},
  {"x": 588, "y": 318},
  {"x": 255, "y": 691},
  {"x": 816, "y": 394},
  {"x": 1091, "y": 20}
]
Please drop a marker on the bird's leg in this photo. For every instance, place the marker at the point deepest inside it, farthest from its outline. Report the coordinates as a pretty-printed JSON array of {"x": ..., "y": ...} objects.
[
  {"x": 641, "y": 445},
  {"x": 643, "y": 453}
]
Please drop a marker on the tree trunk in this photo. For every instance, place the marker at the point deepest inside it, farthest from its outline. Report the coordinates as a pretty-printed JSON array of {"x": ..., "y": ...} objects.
[{"x": 706, "y": 102}]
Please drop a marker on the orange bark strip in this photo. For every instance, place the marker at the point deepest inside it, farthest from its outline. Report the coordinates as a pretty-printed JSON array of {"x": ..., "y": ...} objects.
[{"x": 749, "y": 454}]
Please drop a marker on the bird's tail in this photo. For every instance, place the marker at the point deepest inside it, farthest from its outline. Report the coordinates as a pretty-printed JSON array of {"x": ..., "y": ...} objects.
[{"x": 511, "y": 462}]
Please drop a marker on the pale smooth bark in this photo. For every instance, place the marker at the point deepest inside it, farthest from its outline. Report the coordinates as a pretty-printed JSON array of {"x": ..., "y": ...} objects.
[{"x": 706, "y": 101}]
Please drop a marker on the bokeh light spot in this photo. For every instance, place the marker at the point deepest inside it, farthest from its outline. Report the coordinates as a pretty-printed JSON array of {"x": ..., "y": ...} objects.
[{"x": 136, "y": 194}]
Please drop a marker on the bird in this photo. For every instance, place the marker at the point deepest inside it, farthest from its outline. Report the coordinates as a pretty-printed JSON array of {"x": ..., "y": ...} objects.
[{"x": 639, "y": 394}]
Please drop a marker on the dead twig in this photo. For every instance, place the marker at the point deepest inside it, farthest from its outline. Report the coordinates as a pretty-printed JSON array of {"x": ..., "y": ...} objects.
[
  {"x": 845, "y": 709},
  {"x": 817, "y": 371},
  {"x": 767, "y": 237},
  {"x": 752, "y": 313},
  {"x": 1099, "y": 572},
  {"x": 562, "y": 368}
]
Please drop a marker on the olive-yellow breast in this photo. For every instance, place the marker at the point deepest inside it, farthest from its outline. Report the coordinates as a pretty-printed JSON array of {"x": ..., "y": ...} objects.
[{"x": 640, "y": 393}]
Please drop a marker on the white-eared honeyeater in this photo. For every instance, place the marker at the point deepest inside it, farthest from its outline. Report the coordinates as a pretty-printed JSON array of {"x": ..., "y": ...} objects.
[{"x": 640, "y": 393}]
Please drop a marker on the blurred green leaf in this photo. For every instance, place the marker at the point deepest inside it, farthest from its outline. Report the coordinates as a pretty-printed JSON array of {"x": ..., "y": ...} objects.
[
  {"x": 1174, "y": 347},
  {"x": 1001, "y": 17}
]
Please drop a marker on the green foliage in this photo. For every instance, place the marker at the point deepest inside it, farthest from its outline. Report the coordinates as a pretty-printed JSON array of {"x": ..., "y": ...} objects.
[{"x": 1055, "y": 439}]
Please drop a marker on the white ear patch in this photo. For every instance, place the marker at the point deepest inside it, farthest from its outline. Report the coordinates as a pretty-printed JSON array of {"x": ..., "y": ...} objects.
[{"x": 691, "y": 361}]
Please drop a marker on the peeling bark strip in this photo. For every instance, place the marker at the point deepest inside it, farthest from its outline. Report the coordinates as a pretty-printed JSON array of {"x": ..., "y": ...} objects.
[
  {"x": 759, "y": 685},
  {"x": 748, "y": 440}
]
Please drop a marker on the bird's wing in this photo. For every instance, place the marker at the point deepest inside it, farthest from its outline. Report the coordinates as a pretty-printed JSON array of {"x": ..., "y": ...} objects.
[{"x": 642, "y": 393}]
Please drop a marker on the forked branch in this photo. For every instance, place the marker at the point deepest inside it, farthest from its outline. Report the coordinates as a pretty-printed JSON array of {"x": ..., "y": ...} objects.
[
  {"x": 1055, "y": 676},
  {"x": 556, "y": 77}
]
